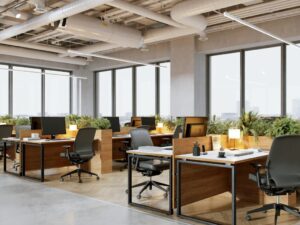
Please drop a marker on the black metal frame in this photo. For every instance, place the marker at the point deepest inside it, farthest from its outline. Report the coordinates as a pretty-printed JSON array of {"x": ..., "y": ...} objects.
[
  {"x": 42, "y": 160},
  {"x": 170, "y": 195},
  {"x": 178, "y": 192},
  {"x": 5, "y": 160}
]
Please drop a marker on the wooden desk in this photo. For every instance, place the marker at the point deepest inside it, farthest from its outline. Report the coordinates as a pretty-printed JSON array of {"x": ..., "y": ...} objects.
[
  {"x": 212, "y": 175},
  {"x": 151, "y": 154},
  {"x": 49, "y": 149}
]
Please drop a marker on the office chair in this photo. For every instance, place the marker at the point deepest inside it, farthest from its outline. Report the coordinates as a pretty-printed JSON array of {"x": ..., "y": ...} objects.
[
  {"x": 281, "y": 174},
  {"x": 5, "y": 132},
  {"x": 149, "y": 168},
  {"x": 18, "y": 130},
  {"x": 82, "y": 152}
]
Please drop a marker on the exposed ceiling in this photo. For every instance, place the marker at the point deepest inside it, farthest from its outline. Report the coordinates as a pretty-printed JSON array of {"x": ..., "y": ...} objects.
[{"x": 53, "y": 38}]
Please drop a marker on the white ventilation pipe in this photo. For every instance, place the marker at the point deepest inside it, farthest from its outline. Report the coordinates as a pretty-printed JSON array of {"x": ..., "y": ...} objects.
[
  {"x": 34, "y": 54},
  {"x": 49, "y": 17},
  {"x": 144, "y": 12},
  {"x": 93, "y": 28},
  {"x": 189, "y": 12}
]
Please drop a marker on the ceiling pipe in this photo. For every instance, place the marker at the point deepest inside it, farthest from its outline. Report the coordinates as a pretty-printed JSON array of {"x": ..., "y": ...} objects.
[
  {"x": 52, "y": 16},
  {"x": 93, "y": 28},
  {"x": 34, "y": 54},
  {"x": 126, "y": 6}
]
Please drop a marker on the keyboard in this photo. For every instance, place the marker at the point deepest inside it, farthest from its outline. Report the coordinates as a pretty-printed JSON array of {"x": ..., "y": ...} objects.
[{"x": 238, "y": 153}]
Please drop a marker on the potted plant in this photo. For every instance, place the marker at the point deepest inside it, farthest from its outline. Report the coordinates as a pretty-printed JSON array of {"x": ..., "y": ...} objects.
[
  {"x": 258, "y": 132},
  {"x": 22, "y": 121},
  {"x": 7, "y": 119},
  {"x": 284, "y": 126}
]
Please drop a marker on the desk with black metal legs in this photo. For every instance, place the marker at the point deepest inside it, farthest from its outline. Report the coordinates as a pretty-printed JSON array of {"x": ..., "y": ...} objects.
[
  {"x": 213, "y": 175},
  {"x": 15, "y": 141},
  {"x": 165, "y": 155},
  {"x": 49, "y": 149}
]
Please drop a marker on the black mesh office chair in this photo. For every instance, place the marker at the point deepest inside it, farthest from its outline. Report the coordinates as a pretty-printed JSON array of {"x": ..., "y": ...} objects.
[
  {"x": 18, "y": 130},
  {"x": 5, "y": 132},
  {"x": 281, "y": 174},
  {"x": 149, "y": 168},
  {"x": 82, "y": 152}
]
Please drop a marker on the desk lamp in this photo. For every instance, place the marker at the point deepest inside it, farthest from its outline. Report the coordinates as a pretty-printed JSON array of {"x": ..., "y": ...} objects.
[{"x": 234, "y": 134}]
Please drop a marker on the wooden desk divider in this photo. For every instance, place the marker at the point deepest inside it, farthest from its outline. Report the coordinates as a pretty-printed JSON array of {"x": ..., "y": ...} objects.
[{"x": 103, "y": 160}]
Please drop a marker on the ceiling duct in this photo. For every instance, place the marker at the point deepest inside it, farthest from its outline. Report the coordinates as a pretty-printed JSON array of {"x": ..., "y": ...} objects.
[
  {"x": 40, "y": 6},
  {"x": 93, "y": 28},
  {"x": 52, "y": 16}
]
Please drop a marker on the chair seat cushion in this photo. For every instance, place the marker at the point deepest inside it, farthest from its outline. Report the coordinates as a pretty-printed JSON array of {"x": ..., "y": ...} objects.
[{"x": 155, "y": 165}]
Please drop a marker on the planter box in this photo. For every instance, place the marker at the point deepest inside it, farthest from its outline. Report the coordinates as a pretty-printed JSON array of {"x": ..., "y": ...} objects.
[{"x": 263, "y": 142}]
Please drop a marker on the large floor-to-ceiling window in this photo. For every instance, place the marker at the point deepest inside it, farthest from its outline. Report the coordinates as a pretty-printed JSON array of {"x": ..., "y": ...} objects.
[
  {"x": 263, "y": 81},
  {"x": 136, "y": 90},
  {"x": 27, "y": 91},
  {"x": 225, "y": 85},
  {"x": 268, "y": 85},
  {"x": 4, "y": 90},
  {"x": 57, "y": 93}
]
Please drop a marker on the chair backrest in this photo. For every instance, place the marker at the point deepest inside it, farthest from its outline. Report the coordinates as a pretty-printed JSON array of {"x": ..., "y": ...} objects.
[
  {"x": 21, "y": 127},
  {"x": 84, "y": 141},
  {"x": 284, "y": 159},
  {"x": 5, "y": 131},
  {"x": 140, "y": 137},
  {"x": 177, "y": 131}
]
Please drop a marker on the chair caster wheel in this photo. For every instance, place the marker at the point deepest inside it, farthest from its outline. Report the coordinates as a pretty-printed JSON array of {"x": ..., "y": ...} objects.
[
  {"x": 265, "y": 211},
  {"x": 98, "y": 178},
  {"x": 62, "y": 179},
  {"x": 126, "y": 191},
  {"x": 80, "y": 181},
  {"x": 166, "y": 195},
  {"x": 138, "y": 196},
  {"x": 248, "y": 217}
]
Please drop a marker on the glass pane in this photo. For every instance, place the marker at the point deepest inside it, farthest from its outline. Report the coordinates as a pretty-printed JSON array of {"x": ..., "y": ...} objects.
[
  {"x": 145, "y": 90},
  {"x": 124, "y": 94},
  {"x": 105, "y": 93},
  {"x": 262, "y": 81},
  {"x": 57, "y": 93},
  {"x": 165, "y": 90},
  {"x": 293, "y": 82},
  {"x": 26, "y": 92},
  {"x": 3, "y": 90},
  {"x": 225, "y": 85}
]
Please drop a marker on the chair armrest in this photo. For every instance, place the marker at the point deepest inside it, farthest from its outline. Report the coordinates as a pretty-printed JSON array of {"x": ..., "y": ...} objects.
[
  {"x": 67, "y": 150},
  {"x": 258, "y": 173}
]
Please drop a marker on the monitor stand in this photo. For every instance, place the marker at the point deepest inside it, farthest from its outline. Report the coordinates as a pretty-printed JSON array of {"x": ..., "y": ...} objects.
[{"x": 52, "y": 137}]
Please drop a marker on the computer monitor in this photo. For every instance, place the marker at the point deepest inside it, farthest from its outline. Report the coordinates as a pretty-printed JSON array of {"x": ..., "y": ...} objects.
[
  {"x": 53, "y": 126},
  {"x": 195, "y": 126},
  {"x": 36, "y": 123},
  {"x": 114, "y": 123},
  {"x": 149, "y": 121}
]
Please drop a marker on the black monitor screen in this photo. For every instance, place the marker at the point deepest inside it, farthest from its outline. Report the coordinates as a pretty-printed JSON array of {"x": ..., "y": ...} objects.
[
  {"x": 36, "y": 123},
  {"x": 149, "y": 121},
  {"x": 53, "y": 126},
  {"x": 114, "y": 123}
]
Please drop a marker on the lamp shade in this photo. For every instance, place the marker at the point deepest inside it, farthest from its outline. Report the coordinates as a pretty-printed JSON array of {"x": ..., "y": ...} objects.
[
  {"x": 73, "y": 127},
  {"x": 234, "y": 133},
  {"x": 160, "y": 125}
]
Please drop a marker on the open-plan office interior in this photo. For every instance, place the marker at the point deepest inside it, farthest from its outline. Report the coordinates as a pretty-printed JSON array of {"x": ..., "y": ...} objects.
[{"x": 149, "y": 112}]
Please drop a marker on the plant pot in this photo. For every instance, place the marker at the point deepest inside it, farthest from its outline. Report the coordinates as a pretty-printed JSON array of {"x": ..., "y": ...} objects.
[{"x": 263, "y": 142}]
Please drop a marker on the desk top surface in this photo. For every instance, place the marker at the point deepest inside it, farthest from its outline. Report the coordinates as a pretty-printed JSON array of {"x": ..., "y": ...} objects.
[
  {"x": 152, "y": 152},
  {"x": 39, "y": 141},
  {"x": 127, "y": 136},
  {"x": 212, "y": 157}
]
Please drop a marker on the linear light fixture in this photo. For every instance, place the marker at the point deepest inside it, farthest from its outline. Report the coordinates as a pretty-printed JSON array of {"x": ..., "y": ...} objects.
[
  {"x": 245, "y": 23},
  {"x": 56, "y": 74},
  {"x": 112, "y": 58}
]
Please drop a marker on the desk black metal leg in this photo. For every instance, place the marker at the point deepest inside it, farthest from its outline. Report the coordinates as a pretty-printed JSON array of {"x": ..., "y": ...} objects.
[
  {"x": 170, "y": 186},
  {"x": 129, "y": 179},
  {"x": 4, "y": 156},
  {"x": 23, "y": 172},
  {"x": 42, "y": 163},
  {"x": 233, "y": 191},
  {"x": 178, "y": 186}
]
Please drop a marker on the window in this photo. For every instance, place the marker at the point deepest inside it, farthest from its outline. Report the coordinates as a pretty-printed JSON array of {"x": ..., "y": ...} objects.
[
  {"x": 293, "y": 82},
  {"x": 27, "y": 92},
  {"x": 57, "y": 93},
  {"x": 145, "y": 91},
  {"x": 76, "y": 95},
  {"x": 124, "y": 94},
  {"x": 104, "y": 93},
  {"x": 262, "y": 81},
  {"x": 225, "y": 85},
  {"x": 4, "y": 90},
  {"x": 165, "y": 89}
]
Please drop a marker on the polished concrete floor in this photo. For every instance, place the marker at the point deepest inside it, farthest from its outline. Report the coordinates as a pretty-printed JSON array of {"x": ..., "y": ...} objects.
[{"x": 30, "y": 203}]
